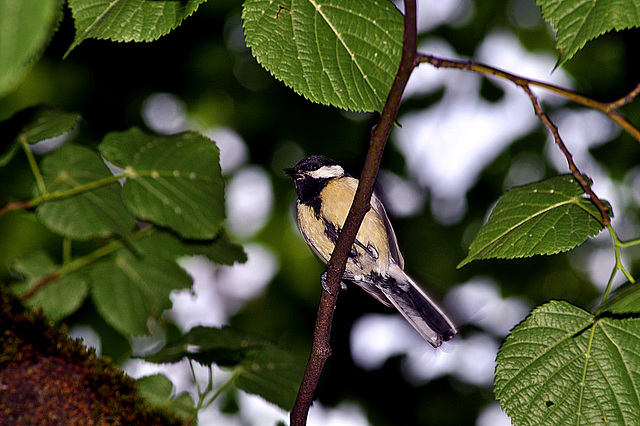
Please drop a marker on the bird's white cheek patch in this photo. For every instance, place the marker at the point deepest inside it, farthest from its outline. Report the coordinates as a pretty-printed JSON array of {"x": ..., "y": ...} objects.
[{"x": 327, "y": 172}]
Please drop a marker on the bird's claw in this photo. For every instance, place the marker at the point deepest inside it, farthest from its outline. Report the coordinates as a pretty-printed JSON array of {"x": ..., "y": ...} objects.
[{"x": 325, "y": 287}]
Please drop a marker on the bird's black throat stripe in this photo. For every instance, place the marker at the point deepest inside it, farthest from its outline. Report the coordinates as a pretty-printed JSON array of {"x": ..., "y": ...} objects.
[{"x": 309, "y": 193}]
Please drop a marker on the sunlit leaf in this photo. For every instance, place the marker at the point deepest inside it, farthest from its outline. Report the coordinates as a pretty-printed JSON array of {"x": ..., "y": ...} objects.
[
  {"x": 578, "y": 21},
  {"x": 335, "y": 52},
  {"x": 58, "y": 298},
  {"x": 564, "y": 366},
  {"x": 175, "y": 181},
  {"x": 273, "y": 374},
  {"x": 129, "y": 290},
  {"x": 26, "y": 28},
  {"x": 158, "y": 390},
  {"x": 545, "y": 217},
  {"x": 98, "y": 212},
  {"x": 128, "y": 20}
]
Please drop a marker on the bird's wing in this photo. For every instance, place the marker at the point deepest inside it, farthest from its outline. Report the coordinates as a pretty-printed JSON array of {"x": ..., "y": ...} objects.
[
  {"x": 417, "y": 308},
  {"x": 391, "y": 235}
]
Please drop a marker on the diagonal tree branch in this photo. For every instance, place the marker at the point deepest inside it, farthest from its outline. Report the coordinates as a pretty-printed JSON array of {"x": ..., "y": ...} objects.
[{"x": 321, "y": 348}]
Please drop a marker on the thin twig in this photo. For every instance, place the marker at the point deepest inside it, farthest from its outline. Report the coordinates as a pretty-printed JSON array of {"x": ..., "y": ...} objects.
[
  {"x": 608, "y": 108},
  {"x": 37, "y": 174},
  {"x": 68, "y": 193},
  {"x": 625, "y": 99},
  {"x": 321, "y": 348},
  {"x": 525, "y": 83},
  {"x": 75, "y": 264},
  {"x": 42, "y": 283},
  {"x": 578, "y": 176},
  {"x": 15, "y": 205}
]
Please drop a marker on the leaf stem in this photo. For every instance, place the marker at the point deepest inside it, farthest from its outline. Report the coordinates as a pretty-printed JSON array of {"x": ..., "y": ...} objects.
[
  {"x": 229, "y": 382},
  {"x": 80, "y": 262},
  {"x": 201, "y": 394},
  {"x": 193, "y": 375},
  {"x": 33, "y": 164},
  {"x": 66, "y": 250},
  {"x": 629, "y": 243},
  {"x": 60, "y": 195},
  {"x": 618, "y": 244},
  {"x": 619, "y": 266},
  {"x": 582, "y": 383}
]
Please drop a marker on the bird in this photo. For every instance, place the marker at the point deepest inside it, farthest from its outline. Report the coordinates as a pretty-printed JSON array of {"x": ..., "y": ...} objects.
[{"x": 325, "y": 192}]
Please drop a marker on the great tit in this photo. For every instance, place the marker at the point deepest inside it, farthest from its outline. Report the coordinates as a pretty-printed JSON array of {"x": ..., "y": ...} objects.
[{"x": 325, "y": 193}]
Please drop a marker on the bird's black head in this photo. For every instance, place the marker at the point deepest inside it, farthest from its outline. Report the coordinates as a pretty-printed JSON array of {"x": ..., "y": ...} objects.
[{"x": 311, "y": 175}]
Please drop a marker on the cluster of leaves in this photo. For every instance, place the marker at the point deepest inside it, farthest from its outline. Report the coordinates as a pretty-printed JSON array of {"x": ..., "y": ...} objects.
[
  {"x": 561, "y": 364},
  {"x": 162, "y": 199},
  {"x": 173, "y": 182},
  {"x": 256, "y": 366}
]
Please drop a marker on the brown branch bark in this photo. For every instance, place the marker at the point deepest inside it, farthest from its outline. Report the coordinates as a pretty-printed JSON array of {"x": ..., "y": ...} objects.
[
  {"x": 321, "y": 348},
  {"x": 15, "y": 205},
  {"x": 39, "y": 286},
  {"x": 577, "y": 175},
  {"x": 608, "y": 108}
]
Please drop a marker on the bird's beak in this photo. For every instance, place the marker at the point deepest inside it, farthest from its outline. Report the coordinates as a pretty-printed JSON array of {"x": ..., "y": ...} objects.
[{"x": 291, "y": 173}]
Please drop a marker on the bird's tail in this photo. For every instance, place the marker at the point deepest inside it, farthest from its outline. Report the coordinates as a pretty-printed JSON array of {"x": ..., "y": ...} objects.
[{"x": 429, "y": 320}]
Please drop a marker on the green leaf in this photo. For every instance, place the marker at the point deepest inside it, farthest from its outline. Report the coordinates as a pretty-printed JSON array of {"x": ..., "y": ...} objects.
[
  {"x": 99, "y": 212},
  {"x": 260, "y": 368},
  {"x": 578, "y": 21},
  {"x": 47, "y": 123},
  {"x": 129, "y": 290},
  {"x": 546, "y": 217},
  {"x": 158, "y": 390},
  {"x": 128, "y": 20},
  {"x": 8, "y": 152},
  {"x": 33, "y": 125},
  {"x": 273, "y": 374},
  {"x": 219, "y": 250},
  {"x": 174, "y": 181},
  {"x": 564, "y": 366},
  {"x": 625, "y": 299},
  {"x": 58, "y": 298},
  {"x": 344, "y": 53},
  {"x": 26, "y": 28}
]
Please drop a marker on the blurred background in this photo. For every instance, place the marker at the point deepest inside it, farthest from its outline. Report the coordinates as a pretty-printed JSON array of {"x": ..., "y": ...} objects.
[{"x": 461, "y": 141}]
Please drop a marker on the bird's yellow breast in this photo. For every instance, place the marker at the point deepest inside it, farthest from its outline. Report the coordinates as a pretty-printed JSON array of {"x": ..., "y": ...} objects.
[{"x": 370, "y": 253}]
